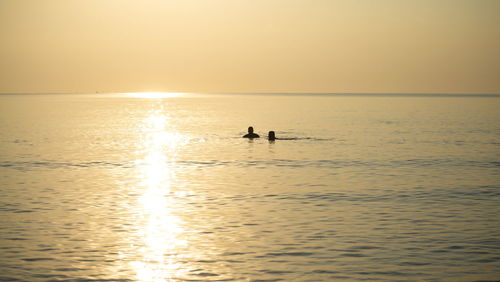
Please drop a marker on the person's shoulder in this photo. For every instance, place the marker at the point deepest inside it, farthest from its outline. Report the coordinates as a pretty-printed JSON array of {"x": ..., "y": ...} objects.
[{"x": 252, "y": 135}]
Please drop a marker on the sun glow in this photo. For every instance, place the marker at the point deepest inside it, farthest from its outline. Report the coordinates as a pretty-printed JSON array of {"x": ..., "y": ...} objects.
[
  {"x": 160, "y": 229},
  {"x": 155, "y": 95}
]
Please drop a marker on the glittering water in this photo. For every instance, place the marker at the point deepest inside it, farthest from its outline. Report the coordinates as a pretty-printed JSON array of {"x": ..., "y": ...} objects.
[{"x": 162, "y": 188}]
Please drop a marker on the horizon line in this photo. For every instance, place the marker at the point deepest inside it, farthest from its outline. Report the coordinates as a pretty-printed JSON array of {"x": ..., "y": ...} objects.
[{"x": 280, "y": 93}]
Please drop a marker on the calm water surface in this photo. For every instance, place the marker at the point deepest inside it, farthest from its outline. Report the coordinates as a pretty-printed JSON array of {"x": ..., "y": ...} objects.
[{"x": 116, "y": 187}]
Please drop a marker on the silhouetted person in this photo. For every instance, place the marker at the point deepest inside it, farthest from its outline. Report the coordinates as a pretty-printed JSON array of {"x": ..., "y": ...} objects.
[
  {"x": 271, "y": 136},
  {"x": 251, "y": 134}
]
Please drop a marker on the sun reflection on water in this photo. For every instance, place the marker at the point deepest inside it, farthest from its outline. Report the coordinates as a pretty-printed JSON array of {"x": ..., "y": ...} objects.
[
  {"x": 155, "y": 95},
  {"x": 161, "y": 229}
]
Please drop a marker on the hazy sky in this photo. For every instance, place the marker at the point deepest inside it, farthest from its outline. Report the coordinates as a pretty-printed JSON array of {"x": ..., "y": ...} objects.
[{"x": 450, "y": 46}]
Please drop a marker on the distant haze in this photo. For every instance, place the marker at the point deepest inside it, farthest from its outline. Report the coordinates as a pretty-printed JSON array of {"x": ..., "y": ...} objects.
[{"x": 383, "y": 46}]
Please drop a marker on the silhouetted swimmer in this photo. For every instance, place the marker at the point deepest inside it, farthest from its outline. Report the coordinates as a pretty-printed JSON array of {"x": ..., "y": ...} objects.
[
  {"x": 251, "y": 134},
  {"x": 271, "y": 136}
]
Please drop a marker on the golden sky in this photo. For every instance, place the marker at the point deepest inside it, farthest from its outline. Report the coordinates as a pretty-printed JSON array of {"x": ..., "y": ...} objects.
[{"x": 380, "y": 46}]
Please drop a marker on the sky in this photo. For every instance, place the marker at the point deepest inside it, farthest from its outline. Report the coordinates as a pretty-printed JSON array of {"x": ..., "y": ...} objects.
[{"x": 306, "y": 46}]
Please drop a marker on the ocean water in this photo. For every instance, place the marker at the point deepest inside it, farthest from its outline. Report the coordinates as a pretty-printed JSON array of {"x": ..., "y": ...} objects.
[{"x": 163, "y": 188}]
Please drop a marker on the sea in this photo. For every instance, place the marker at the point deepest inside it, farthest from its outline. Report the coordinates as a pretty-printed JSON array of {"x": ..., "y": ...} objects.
[{"x": 162, "y": 187}]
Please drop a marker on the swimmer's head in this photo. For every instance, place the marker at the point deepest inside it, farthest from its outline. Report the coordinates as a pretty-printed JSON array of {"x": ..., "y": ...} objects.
[
  {"x": 271, "y": 135},
  {"x": 250, "y": 130}
]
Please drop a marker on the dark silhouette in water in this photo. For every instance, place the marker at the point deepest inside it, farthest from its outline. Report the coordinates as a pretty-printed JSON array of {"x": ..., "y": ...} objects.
[
  {"x": 271, "y": 136},
  {"x": 251, "y": 134}
]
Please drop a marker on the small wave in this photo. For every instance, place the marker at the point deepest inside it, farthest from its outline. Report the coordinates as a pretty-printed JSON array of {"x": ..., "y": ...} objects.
[
  {"x": 206, "y": 274},
  {"x": 389, "y": 273},
  {"x": 355, "y": 255},
  {"x": 37, "y": 259},
  {"x": 55, "y": 164},
  {"x": 277, "y": 271},
  {"x": 20, "y": 142},
  {"x": 23, "y": 211},
  {"x": 67, "y": 269},
  {"x": 413, "y": 263},
  {"x": 266, "y": 280},
  {"x": 337, "y": 164},
  {"x": 304, "y": 138},
  {"x": 265, "y": 163},
  {"x": 234, "y": 254},
  {"x": 293, "y": 254}
]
